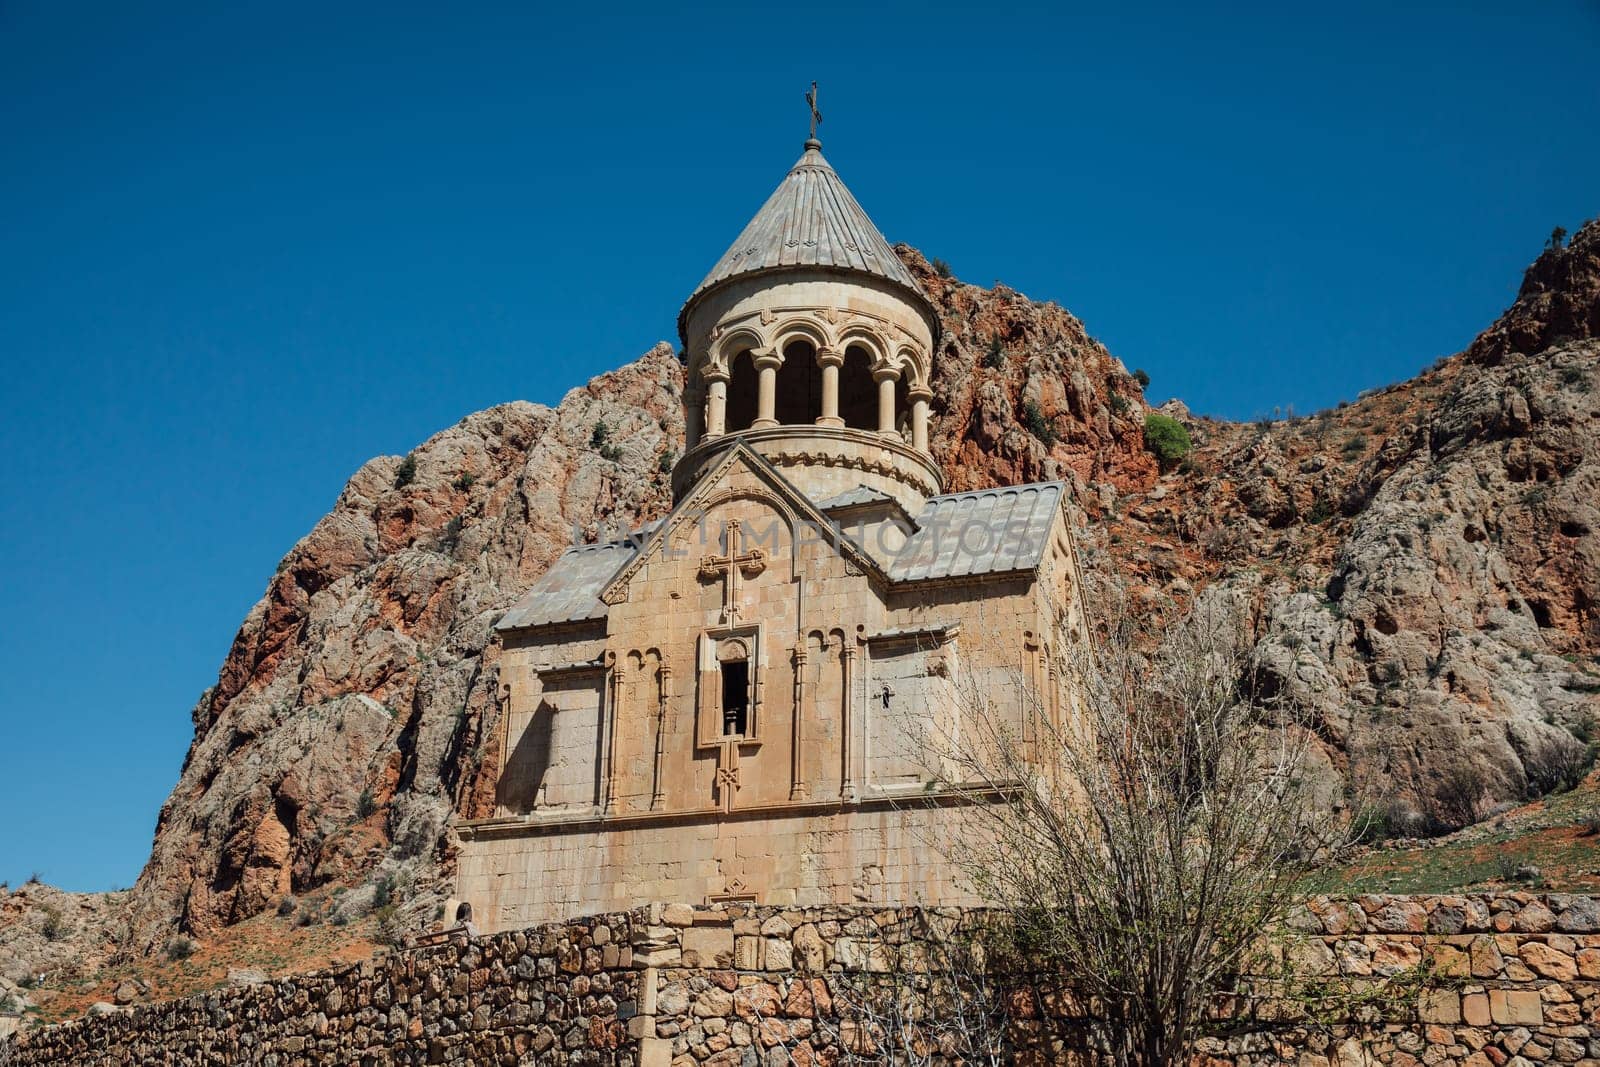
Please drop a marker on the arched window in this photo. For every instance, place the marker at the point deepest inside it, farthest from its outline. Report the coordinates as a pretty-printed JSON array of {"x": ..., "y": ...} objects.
[
  {"x": 798, "y": 400},
  {"x": 858, "y": 394},
  {"x": 902, "y": 405},
  {"x": 733, "y": 663},
  {"x": 741, "y": 411}
]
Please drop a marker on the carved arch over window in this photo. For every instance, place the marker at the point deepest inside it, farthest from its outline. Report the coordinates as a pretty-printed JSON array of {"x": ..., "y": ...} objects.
[
  {"x": 730, "y": 682},
  {"x": 731, "y": 345},
  {"x": 912, "y": 369},
  {"x": 801, "y": 329}
]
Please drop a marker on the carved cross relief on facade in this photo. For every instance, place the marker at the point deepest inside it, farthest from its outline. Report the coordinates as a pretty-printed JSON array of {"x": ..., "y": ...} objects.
[
  {"x": 730, "y": 566},
  {"x": 733, "y": 662}
]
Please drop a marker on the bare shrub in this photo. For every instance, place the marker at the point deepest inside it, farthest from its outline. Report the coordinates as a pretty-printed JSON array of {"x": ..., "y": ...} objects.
[
  {"x": 1138, "y": 848},
  {"x": 1227, "y": 543},
  {"x": 55, "y": 926},
  {"x": 1458, "y": 800},
  {"x": 938, "y": 988}
]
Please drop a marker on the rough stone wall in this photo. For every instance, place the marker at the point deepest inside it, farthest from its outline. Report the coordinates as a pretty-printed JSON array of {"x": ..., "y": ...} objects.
[
  {"x": 552, "y": 994},
  {"x": 1514, "y": 981}
]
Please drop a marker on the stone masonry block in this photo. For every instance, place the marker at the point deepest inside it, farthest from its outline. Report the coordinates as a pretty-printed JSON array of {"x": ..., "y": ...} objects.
[
  {"x": 1439, "y": 1006},
  {"x": 708, "y": 946},
  {"x": 1516, "y": 1007}
]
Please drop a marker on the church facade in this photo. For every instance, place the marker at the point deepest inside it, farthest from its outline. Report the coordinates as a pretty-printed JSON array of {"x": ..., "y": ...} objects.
[{"x": 736, "y": 702}]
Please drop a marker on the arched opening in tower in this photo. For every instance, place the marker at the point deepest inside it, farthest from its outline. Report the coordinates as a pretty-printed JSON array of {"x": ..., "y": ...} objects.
[
  {"x": 741, "y": 392},
  {"x": 902, "y": 406},
  {"x": 799, "y": 388},
  {"x": 858, "y": 394}
]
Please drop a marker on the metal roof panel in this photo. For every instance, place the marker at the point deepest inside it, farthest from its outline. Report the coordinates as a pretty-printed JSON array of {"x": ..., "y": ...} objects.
[
  {"x": 810, "y": 220},
  {"x": 990, "y": 531}
]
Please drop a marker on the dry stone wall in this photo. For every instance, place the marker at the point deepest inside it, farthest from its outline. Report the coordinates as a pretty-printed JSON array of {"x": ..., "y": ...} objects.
[
  {"x": 555, "y": 994},
  {"x": 1512, "y": 981}
]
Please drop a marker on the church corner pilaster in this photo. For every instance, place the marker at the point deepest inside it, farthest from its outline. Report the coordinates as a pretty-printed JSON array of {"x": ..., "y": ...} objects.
[
  {"x": 658, "y": 795},
  {"x": 802, "y": 709},
  {"x": 847, "y": 724},
  {"x": 614, "y": 695}
]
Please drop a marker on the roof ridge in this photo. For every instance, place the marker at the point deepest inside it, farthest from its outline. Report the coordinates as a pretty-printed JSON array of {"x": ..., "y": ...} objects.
[
  {"x": 1054, "y": 483},
  {"x": 810, "y": 220}
]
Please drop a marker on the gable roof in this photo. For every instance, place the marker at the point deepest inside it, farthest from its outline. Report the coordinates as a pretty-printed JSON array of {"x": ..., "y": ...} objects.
[
  {"x": 989, "y": 531},
  {"x": 810, "y": 220},
  {"x": 570, "y": 590},
  {"x": 856, "y": 497},
  {"x": 706, "y": 489}
]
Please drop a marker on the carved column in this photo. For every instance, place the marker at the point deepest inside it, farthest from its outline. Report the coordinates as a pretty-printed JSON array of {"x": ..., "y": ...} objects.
[
  {"x": 614, "y": 695},
  {"x": 886, "y": 377},
  {"x": 658, "y": 793},
  {"x": 797, "y": 760},
  {"x": 1033, "y": 696},
  {"x": 505, "y": 744},
  {"x": 847, "y": 776},
  {"x": 919, "y": 417},
  {"x": 767, "y": 363},
  {"x": 694, "y": 415},
  {"x": 716, "y": 402},
  {"x": 830, "y": 360}
]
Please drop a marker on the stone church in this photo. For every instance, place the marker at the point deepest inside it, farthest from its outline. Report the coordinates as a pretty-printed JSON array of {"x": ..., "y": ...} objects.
[{"x": 734, "y": 702}]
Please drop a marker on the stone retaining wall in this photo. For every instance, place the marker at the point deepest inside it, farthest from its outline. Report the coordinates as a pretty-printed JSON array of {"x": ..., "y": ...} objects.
[
  {"x": 560, "y": 993},
  {"x": 1513, "y": 980}
]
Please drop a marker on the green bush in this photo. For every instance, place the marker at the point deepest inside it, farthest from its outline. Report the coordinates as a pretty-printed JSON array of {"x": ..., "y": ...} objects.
[
  {"x": 365, "y": 804},
  {"x": 465, "y": 481},
  {"x": 665, "y": 461},
  {"x": 180, "y": 948},
  {"x": 1371, "y": 825},
  {"x": 995, "y": 358},
  {"x": 601, "y": 434},
  {"x": 390, "y": 926},
  {"x": 1142, "y": 378},
  {"x": 406, "y": 473},
  {"x": 1166, "y": 439},
  {"x": 55, "y": 927},
  {"x": 941, "y": 268},
  {"x": 1033, "y": 418}
]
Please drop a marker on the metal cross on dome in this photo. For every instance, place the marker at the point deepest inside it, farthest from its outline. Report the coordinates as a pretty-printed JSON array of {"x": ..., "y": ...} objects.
[{"x": 816, "y": 116}]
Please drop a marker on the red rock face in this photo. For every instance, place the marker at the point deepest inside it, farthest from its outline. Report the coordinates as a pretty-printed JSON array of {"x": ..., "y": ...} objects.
[
  {"x": 1050, "y": 403},
  {"x": 1412, "y": 568},
  {"x": 363, "y": 678},
  {"x": 1559, "y": 302}
]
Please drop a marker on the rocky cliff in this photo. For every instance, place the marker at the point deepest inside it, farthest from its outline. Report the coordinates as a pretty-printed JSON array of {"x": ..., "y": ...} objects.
[{"x": 1420, "y": 568}]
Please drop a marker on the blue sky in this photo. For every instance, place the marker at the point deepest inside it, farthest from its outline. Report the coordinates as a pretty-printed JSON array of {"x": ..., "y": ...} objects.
[{"x": 243, "y": 248}]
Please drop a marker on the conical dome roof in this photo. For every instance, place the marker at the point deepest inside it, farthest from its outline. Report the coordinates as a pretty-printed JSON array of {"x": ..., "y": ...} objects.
[{"x": 810, "y": 220}]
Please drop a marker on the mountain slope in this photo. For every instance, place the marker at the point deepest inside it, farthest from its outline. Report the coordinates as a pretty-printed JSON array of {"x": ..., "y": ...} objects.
[{"x": 1420, "y": 568}]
